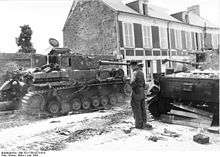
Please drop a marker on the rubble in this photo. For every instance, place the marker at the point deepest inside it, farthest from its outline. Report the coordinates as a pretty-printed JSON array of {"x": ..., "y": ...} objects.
[{"x": 200, "y": 138}]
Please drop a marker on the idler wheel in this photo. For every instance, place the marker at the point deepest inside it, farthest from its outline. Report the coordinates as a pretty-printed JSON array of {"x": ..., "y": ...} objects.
[
  {"x": 76, "y": 104},
  {"x": 86, "y": 103},
  {"x": 95, "y": 102},
  {"x": 54, "y": 107}
]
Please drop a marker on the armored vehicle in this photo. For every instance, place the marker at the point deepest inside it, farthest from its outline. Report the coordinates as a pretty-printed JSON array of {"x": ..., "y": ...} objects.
[
  {"x": 199, "y": 89},
  {"x": 74, "y": 82}
]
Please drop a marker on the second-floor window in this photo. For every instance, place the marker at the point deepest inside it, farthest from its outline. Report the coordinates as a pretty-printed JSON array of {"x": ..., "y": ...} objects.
[
  {"x": 128, "y": 35},
  {"x": 147, "y": 36},
  {"x": 163, "y": 38},
  {"x": 215, "y": 41},
  {"x": 188, "y": 41},
  {"x": 178, "y": 39}
]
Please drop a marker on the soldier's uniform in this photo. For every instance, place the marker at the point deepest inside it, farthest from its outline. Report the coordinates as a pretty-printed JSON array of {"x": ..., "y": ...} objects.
[{"x": 138, "y": 98}]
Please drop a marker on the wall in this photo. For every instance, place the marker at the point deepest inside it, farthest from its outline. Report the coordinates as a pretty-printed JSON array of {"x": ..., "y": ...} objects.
[
  {"x": 13, "y": 61},
  {"x": 91, "y": 29}
]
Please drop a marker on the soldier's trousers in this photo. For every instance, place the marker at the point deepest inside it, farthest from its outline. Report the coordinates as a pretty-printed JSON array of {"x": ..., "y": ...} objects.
[{"x": 138, "y": 108}]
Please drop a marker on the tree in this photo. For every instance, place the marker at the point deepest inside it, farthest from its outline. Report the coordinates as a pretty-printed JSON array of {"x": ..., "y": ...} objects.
[{"x": 24, "y": 40}]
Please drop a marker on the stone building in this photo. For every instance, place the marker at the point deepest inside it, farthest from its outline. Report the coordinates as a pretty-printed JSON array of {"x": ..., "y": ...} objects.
[{"x": 137, "y": 31}]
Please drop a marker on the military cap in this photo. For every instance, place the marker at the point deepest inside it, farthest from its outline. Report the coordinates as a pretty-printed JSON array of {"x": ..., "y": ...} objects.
[
  {"x": 140, "y": 64},
  {"x": 133, "y": 63}
]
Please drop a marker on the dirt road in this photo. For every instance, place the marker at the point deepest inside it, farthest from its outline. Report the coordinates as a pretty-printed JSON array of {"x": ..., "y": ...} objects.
[{"x": 101, "y": 130}]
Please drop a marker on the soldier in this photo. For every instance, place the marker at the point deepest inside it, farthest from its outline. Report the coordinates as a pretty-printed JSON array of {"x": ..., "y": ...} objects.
[{"x": 138, "y": 97}]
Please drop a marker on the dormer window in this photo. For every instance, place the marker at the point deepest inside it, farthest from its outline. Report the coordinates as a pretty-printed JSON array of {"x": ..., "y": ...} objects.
[
  {"x": 140, "y": 6},
  {"x": 145, "y": 9}
]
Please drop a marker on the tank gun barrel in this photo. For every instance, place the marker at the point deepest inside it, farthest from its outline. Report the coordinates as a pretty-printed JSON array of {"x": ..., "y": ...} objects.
[
  {"x": 112, "y": 63},
  {"x": 177, "y": 61}
]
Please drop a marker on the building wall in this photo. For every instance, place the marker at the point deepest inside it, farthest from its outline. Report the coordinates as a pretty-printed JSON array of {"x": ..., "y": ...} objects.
[
  {"x": 91, "y": 29},
  {"x": 151, "y": 45}
]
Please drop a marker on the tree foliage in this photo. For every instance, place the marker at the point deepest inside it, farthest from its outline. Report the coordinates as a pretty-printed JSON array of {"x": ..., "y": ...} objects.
[{"x": 24, "y": 40}]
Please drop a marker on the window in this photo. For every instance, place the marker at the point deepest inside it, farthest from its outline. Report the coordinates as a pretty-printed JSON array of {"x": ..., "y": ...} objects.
[
  {"x": 156, "y": 53},
  {"x": 155, "y": 36},
  {"x": 147, "y": 37},
  {"x": 164, "y": 53},
  {"x": 163, "y": 38},
  {"x": 129, "y": 52},
  {"x": 198, "y": 41},
  {"x": 215, "y": 41},
  {"x": 144, "y": 9},
  {"x": 188, "y": 41},
  {"x": 128, "y": 35},
  {"x": 183, "y": 33},
  {"x": 193, "y": 41},
  {"x": 139, "y": 52},
  {"x": 148, "y": 53},
  {"x": 178, "y": 39}
]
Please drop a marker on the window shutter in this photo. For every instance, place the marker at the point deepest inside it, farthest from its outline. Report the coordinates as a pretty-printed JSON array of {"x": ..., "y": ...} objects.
[
  {"x": 183, "y": 40},
  {"x": 172, "y": 40},
  {"x": 155, "y": 37},
  {"x": 138, "y": 36},
  {"x": 120, "y": 34},
  {"x": 208, "y": 40},
  {"x": 193, "y": 40}
]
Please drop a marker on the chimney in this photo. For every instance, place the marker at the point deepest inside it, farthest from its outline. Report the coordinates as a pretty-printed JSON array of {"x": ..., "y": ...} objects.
[{"x": 195, "y": 9}]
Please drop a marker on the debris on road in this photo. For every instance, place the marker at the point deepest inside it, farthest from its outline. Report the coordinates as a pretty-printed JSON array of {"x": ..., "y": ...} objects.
[
  {"x": 214, "y": 130},
  {"x": 187, "y": 116},
  {"x": 64, "y": 132},
  {"x": 155, "y": 138},
  {"x": 55, "y": 121},
  {"x": 170, "y": 133},
  {"x": 200, "y": 138}
]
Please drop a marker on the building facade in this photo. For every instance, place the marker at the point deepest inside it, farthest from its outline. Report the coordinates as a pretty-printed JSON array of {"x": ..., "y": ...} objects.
[{"x": 138, "y": 31}]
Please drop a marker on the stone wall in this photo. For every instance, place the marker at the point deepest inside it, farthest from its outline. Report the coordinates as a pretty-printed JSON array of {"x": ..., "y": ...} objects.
[{"x": 91, "y": 28}]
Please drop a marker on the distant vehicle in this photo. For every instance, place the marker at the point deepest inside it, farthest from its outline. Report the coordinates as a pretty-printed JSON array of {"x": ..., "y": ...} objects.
[{"x": 196, "y": 88}]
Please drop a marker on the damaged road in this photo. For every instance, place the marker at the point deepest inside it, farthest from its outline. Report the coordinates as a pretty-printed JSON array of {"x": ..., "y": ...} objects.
[{"x": 101, "y": 130}]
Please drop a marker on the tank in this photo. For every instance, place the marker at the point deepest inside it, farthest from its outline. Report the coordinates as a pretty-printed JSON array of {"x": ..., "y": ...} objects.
[
  {"x": 74, "y": 82},
  {"x": 197, "y": 88}
]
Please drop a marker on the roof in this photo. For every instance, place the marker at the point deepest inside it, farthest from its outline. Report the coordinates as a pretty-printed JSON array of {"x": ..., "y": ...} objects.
[
  {"x": 154, "y": 11},
  {"x": 197, "y": 20}
]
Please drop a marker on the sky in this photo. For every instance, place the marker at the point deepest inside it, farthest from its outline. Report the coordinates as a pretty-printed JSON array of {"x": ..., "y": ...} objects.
[{"x": 47, "y": 18}]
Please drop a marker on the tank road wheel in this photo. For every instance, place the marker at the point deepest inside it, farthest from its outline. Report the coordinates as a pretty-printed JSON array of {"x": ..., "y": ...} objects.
[
  {"x": 86, "y": 103},
  {"x": 113, "y": 99},
  {"x": 95, "y": 102},
  {"x": 54, "y": 107},
  {"x": 105, "y": 102},
  {"x": 76, "y": 104},
  {"x": 127, "y": 90}
]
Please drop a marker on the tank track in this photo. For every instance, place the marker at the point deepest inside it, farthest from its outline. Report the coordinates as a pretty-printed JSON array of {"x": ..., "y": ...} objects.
[{"x": 36, "y": 102}]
